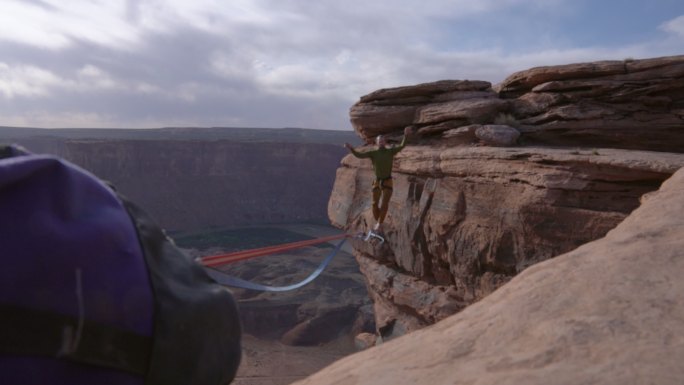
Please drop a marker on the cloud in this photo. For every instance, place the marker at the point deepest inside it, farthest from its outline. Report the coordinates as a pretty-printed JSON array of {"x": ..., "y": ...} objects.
[
  {"x": 142, "y": 63},
  {"x": 55, "y": 25},
  {"x": 674, "y": 26},
  {"x": 90, "y": 77},
  {"x": 31, "y": 82},
  {"x": 26, "y": 81},
  {"x": 52, "y": 119}
]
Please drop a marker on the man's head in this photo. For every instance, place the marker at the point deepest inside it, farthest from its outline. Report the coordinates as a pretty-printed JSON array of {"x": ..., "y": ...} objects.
[{"x": 380, "y": 141}]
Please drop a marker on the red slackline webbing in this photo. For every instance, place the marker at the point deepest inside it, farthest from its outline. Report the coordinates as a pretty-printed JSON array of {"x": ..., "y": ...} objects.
[{"x": 223, "y": 259}]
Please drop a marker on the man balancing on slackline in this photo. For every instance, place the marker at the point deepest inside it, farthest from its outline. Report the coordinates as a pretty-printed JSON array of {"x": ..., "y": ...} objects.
[{"x": 382, "y": 158}]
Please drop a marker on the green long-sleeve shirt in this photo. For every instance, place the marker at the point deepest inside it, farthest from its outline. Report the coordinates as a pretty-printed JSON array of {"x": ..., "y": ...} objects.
[{"x": 382, "y": 159}]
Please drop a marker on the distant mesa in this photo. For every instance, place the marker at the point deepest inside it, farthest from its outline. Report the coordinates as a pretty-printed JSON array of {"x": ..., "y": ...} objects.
[{"x": 200, "y": 178}]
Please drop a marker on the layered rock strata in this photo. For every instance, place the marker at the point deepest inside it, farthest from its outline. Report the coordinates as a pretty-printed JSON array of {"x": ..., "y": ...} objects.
[{"x": 636, "y": 104}]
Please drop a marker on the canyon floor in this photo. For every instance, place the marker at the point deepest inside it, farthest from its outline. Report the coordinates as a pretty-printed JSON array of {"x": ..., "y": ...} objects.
[
  {"x": 265, "y": 359},
  {"x": 267, "y": 362}
]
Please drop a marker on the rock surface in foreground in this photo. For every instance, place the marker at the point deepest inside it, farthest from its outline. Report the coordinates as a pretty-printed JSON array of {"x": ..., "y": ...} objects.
[
  {"x": 266, "y": 362},
  {"x": 609, "y": 312}
]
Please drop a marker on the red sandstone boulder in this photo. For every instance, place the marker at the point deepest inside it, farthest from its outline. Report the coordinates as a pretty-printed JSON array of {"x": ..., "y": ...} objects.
[{"x": 498, "y": 135}]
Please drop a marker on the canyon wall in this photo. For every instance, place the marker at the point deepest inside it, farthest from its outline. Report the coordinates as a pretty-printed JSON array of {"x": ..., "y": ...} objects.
[
  {"x": 221, "y": 178},
  {"x": 496, "y": 179},
  {"x": 199, "y": 184}
]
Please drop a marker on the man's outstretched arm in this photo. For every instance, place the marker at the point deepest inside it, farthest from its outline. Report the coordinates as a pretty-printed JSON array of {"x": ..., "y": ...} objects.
[
  {"x": 356, "y": 153},
  {"x": 407, "y": 132}
]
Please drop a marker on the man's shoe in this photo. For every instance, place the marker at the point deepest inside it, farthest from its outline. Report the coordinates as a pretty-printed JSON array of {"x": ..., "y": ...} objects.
[{"x": 371, "y": 235}]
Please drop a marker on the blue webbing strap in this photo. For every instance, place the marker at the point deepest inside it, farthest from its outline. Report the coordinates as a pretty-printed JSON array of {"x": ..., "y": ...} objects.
[{"x": 229, "y": 280}]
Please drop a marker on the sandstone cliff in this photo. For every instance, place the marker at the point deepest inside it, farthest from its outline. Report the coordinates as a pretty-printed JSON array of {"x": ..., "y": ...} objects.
[
  {"x": 608, "y": 312},
  {"x": 498, "y": 179}
]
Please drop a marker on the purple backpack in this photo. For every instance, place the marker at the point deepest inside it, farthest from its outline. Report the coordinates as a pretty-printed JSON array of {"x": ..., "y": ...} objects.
[{"x": 93, "y": 292}]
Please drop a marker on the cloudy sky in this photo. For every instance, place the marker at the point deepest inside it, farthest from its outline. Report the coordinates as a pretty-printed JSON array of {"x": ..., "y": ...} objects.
[{"x": 289, "y": 63}]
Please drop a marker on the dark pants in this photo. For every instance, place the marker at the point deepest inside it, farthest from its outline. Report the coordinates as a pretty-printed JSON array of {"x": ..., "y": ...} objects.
[{"x": 381, "y": 188}]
